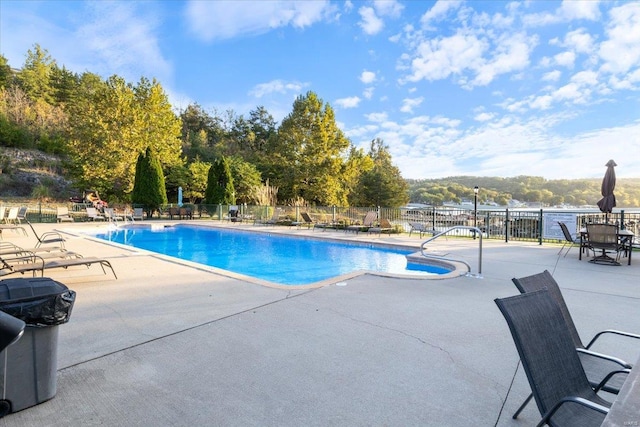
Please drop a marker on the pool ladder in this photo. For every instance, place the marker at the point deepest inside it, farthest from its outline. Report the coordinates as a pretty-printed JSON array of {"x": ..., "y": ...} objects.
[{"x": 476, "y": 231}]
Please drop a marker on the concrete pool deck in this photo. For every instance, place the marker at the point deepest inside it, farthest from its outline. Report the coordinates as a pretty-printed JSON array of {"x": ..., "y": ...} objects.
[{"x": 169, "y": 343}]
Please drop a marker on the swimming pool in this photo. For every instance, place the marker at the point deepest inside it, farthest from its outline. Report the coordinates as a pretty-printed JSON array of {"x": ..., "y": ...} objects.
[{"x": 285, "y": 260}]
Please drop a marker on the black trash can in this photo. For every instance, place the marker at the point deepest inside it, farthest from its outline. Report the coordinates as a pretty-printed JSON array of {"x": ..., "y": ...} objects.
[{"x": 28, "y": 367}]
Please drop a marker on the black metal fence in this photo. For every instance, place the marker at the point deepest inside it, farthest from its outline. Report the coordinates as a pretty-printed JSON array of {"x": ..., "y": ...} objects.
[{"x": 500, "y": 223}]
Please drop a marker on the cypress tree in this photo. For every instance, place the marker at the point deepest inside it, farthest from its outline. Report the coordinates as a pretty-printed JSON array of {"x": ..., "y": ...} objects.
[
  {"x": 220, "y": 184},
  {"x": 148, "y": 187}
]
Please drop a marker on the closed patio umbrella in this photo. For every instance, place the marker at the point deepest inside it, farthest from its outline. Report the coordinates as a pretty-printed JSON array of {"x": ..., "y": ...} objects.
[{"x": 608, "y": 201}]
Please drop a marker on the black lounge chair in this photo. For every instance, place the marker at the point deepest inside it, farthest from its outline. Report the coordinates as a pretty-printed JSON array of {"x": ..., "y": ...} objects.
[
  {"x": 307, "y": 221},
  {"x": 596, "y": 365},
  {"x": 368, "y": 221},
  {"x": 560, "y": 387}
]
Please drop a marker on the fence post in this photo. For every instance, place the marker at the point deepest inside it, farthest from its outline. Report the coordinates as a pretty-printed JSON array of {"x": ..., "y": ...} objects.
[
  {"x": 540, "y": 228},
  {"x": 506, "y": 226},
  {"x": 433, "y": 219}
]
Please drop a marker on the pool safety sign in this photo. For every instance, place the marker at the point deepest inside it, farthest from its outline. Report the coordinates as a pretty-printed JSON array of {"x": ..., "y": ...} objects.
[{"x": 550, "y": 227}]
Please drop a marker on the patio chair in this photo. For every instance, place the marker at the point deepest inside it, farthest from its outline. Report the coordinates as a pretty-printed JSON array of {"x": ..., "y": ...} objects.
[
  {"x": 234, "y": 214},
  {"x": 93, "y": 215},
  {"x": 569, "y": 239},
  {"x": 138, "y": 214},
  {"x": 596, "y": 365},
  {"x": 271, "y": 221},
  {"x": 111, "y": 216},
  {"x": 12, "y": 227},
  {"x": 420, "y": 228},
  {"x": 34, "y": 263},
  {"x": 560, "y": 387},
  {"x": 307, "y": 221},
  {"x": 368, "y": 221},
  {"x": 47, "y": 237},
  {"x": 10, "y": 249},
  {"x": 12, "y": 216},
  {"x": 62, "y": 214},
  {"x": 604, "y": 237},
  {"x": 383, "y": 227}
]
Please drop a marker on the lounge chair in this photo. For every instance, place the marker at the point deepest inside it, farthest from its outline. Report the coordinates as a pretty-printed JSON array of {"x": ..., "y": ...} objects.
[
  {"x": 307, "y": 221},
  {"x": 9, "y": 220},
  {"x": 138, "y": 214},
  {"x": 62, "y": 214},
  {"x": 34, "y": 263},
  {"x": 12, "y": 216},
  {"x": 93, "y": 215},
  {"x": 596, "y": 365},
  {"x": 560, "y": 387},
  {"x": 9, "y": 249},
  {"x": 47, "y": 237},
  {"x": 384, "y": 227},
  {"x": 368, "y": 221},
  {"x": 271, "y": 221},
  {"x": 420, "y": 228},
  {"x": 111, "y": 216}
]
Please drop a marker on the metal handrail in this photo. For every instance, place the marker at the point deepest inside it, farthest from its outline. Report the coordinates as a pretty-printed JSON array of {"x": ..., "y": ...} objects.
[{"x": 476, "y": 230}]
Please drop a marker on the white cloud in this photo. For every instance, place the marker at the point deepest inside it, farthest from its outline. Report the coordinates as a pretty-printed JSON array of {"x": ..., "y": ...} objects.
[
  {"x": 368, "y": 93},
  {"x": 621, "y": 51},
  {"x": 588, "y": 10},
  {"x": 225, "y": 19},
  {"x": 439, "y": 58},
  {"x": 377, "y": 117},
  {"x": 565, "y": 59},
  {"x": 370, "y": 22},
  {"x": 484, "y": 117},
  {"x": 579, "y": 40},
  {"x": 552, "y": 75},
  {"x": 367, "y": 77},
  {"x": 125, "y": 40},
  {"x": 351, "y": 102},
  {"x": 390, "y": 8},
  {"x": 408, "y": 104},
  {"x": 439, "y": 10},
  {"x": 276, "y": 86}
]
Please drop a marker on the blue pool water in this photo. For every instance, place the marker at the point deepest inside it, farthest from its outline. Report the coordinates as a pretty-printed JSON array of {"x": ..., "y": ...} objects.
[{"x": 274, "y": 258}]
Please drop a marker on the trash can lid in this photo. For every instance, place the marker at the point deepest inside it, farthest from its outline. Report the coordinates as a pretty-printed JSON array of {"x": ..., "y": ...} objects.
[{"x": 21, "y": 288}]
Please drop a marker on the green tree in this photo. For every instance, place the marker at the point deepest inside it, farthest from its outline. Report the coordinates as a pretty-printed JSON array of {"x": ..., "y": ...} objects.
[
  {"x": 220, "y": 184},
  {"x": 307, "y": 156},
  {"x": 35, "y": 76},
  {"x": 383, "y": 185},
  {"x": 149, "y": 188},
  {"x": 245, "y": 178},
  {"x": 6, "y": 75},
  {"x": 197, "y": 182},
  {"x": 112, "y": 123}
]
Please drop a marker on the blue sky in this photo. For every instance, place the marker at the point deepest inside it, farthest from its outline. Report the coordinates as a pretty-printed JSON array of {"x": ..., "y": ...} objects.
[{"x": 483, "y": 88}]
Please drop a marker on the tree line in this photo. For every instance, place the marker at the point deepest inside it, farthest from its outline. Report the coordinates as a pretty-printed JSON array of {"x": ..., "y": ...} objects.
[
  {"x": 101, "y": 127},
  {"x": 530, "y": 189}
]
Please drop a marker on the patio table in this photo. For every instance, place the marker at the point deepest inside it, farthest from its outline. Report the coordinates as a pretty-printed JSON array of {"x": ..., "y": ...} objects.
[
  {"x": 624, "y": 236},
  {"x": 625, "y": 410}
]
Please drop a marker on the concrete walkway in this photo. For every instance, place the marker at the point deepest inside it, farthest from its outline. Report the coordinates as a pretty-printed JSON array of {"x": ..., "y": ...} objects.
[{"x": 172, "y": 344}]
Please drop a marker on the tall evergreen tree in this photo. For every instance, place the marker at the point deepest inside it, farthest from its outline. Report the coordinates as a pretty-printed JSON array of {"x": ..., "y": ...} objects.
[
  {"x": 383, "y": 185},
  {"x": 220, "y": 184},
  {"x": 148, "y": 187}
]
